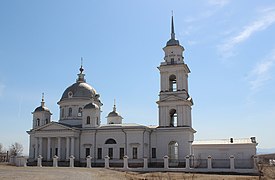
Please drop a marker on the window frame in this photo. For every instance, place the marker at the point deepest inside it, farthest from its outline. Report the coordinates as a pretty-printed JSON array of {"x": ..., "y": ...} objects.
[
  {"x": 121, "y": 153},
  {"x": 135, "y": 153},
  {"x": 99, "y": 153},
  {"x": 88, "y": 120},
  {"x": 154, "y": 153},
  {"x": 87, "y": 152}
]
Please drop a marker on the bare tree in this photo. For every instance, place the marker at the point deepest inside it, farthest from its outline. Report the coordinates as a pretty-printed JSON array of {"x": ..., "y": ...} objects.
[
  {"x": 16, "y": 149},
  {"x": 1, "y": 148}
]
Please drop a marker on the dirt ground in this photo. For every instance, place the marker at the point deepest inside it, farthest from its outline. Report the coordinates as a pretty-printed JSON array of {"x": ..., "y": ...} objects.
[{"x": 48, "y": 173}]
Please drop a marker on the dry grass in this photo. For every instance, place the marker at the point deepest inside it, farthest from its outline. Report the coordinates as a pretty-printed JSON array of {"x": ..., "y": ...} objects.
[
  {"x": 185, "y": 176},
  {"x": 45, "y": 173}
]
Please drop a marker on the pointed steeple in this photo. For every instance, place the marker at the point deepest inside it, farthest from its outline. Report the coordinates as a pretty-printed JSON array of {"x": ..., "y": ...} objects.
[
  {"x": 172, "y": 28},
  {"x": 81, "y": 75},
  {"x": 172, "y": 41}
]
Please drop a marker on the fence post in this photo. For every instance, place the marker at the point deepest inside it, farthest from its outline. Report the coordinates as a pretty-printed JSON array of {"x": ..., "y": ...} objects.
[
  {"x": 55, "y": 163},
  {"x": 107, "y": 161},
  {"x": 88, "y": 160},
  {"x": 232, "y": 162},
  {"x": 145, "y": 163},
  {"x": 209, "y": 162},
  {"x": 24, "y": 163},
  {"x": 166, "y": 162},
  {"x": 125, "y": 162},
  {"x": 39, "y": 161},
  {"x": 187, "y": 159},
  {"x": 72, "y": 161}
]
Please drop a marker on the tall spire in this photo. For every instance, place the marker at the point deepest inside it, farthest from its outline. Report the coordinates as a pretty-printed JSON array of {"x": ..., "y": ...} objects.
[
  {"x": 81, "y": 75},
  {"x": 172, "y": 28},
  {"x": 42, "y": 102},
  {"x": 172, "y": 41}
]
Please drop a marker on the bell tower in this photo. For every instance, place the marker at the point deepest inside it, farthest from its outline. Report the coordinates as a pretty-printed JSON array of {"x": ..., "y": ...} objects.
[{"x": 174, "y": 100}]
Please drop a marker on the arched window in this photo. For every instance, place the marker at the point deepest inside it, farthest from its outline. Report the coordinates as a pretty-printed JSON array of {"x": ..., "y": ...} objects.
[
  {"x": 46, "y": 121},
  {"x": 62, "y": 112},
  {"x": 110, "y": 141},
  {"x": 88, "y": 121},
  {"x": 70, "y": 112},
  {"x": 37, "y": 122},
  {"x": 173, "y": 118},
  {"x": 172, "y": 83},
  {"x": 173, "y": 150},
  {"x": 79, "y": 112}
]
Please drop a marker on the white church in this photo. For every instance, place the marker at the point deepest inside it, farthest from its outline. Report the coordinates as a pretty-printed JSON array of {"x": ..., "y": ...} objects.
[{"x": 81, "y": 133}]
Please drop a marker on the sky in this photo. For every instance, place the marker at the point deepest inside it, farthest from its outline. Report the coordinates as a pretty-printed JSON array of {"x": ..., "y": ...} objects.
[{"x": 229, "y": 48}]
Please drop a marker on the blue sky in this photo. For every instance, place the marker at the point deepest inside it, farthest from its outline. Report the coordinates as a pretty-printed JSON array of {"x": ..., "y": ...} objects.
[{"x": 229, "y": 47}]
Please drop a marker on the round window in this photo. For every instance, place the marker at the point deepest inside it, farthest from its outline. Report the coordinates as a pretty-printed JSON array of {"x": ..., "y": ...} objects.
[{"x": 70, "y": 94}]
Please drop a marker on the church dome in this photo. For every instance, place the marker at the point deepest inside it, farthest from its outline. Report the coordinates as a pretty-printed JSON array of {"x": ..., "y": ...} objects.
[
  {"x": 79, "y": 89},
  {"x": 41, "y": 108},
  {"x": 113, "y": 114}
]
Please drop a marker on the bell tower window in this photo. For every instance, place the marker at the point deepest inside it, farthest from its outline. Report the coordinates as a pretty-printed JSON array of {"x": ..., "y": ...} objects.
[
  {"x": 172, "y": 83},
  {"x": 173, "y": 118},
  {"x": 172, "y": 61}
]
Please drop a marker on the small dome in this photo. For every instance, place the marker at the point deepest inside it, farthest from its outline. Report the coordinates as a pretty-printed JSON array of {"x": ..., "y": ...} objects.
[
  {"x": 41, "y": 108},
  {"x": 79, "y": 89},
  {"x": 113, "y": 114},
  {"x": 91, "y": 106},
  {"x": 173, "y": 42}
]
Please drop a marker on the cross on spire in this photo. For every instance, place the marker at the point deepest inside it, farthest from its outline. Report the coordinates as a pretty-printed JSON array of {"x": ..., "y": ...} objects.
[
  {"x": 114, "y": 108},
  {"x": 81, "y": 67},
  {"x": 42, "y": 102},
  {"x": 81, "y": 75}
]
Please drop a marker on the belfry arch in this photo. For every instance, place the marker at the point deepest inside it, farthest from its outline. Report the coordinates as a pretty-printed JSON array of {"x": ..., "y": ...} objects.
[
  {"x": 173, "y": 118},
  {"x": 172, "y": 83}
]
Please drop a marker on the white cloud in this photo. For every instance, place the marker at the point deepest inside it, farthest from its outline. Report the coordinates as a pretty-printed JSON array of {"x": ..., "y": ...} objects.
[
  {"x": 263, "y": 22},
  {"x": 261, "y": 72}
]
